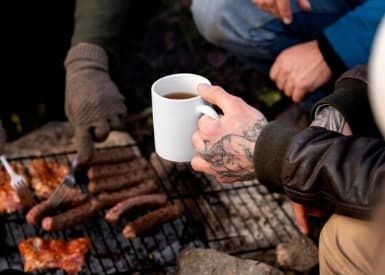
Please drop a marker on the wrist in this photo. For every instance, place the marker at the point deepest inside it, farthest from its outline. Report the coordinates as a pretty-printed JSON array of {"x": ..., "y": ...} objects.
[{"x": 86, "y": 55}]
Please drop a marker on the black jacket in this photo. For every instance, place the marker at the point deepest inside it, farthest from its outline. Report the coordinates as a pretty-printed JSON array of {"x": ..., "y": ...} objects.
[{"x": 342, "y": 174}]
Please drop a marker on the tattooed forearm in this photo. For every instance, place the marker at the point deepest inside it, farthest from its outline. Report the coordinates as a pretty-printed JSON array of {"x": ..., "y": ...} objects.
[
  {"x": 232, "y": 155},
  {"x": 329, "y": 118}
]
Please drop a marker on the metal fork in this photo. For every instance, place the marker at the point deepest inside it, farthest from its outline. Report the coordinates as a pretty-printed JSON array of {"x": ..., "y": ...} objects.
[
  {"x": 19, "y": 184},
  {"x": 63, "y": 190}
]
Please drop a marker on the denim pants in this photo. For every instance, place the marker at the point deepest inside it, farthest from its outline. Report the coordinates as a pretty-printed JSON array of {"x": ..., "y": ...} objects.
[{"x": 258, "y": 37}]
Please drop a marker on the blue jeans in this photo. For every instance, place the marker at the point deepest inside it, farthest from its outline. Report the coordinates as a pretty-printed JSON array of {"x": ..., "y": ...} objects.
[{"x": 258, "y": 37}]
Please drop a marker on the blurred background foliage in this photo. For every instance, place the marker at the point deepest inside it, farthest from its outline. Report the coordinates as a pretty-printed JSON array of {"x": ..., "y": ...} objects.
[{"x": 35, "y": 49}]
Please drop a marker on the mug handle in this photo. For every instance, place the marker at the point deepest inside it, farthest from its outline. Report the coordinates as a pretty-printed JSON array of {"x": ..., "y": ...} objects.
[{"x": 208, "y": 111}]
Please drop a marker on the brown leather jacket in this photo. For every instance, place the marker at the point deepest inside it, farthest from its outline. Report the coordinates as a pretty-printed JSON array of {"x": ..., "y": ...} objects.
[{"x": 341, "y": 174}]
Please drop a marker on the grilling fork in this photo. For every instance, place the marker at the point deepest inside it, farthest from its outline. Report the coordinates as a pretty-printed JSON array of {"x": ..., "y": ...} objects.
[
  {"x": 63, "y": 190},
  {"x": 19, "y": 184}
]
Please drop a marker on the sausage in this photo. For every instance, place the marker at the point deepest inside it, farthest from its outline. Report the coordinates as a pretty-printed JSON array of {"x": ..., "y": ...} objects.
[
  {"x": 107, "y": 170},
  {"x": 152, "y": 219},
  {"x": 38, "y": 211},
  {"x": 117, "y": 182},
  {"x": 114, "y": 155},
  {"x": 73, "y": 216},
  {"x": 146, "y": 187},
  {"x": 130, "y": 204}
]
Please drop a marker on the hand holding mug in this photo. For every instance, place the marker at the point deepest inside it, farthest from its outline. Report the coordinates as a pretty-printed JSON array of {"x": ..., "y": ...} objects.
[
  {"x": 176, "y": 108},
  {"x": 226, "y": 145}
]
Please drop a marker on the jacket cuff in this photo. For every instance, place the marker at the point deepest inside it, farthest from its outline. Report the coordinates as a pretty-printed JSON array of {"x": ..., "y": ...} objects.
[
  {"x": 336, "y": 65},
  {"x": 269, "y": 154},
  {"x": 350, "y": 98}
]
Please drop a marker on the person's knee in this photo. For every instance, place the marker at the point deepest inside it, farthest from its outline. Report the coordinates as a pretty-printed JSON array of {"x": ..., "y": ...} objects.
[
  {"x": 345, "y": 246},
  {"x": 206, "y": 18}
]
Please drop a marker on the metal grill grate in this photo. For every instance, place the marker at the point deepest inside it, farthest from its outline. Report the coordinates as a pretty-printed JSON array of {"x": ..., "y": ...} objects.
[{"x": 238, "y": 218}]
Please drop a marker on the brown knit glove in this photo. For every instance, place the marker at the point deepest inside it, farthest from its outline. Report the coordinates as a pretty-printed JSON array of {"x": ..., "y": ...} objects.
[
  {"x": 3, "y": 138},
  {"x": 93, "y": 103}
]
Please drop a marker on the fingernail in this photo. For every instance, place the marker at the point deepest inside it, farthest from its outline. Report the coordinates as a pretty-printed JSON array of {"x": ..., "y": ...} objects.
[
  {"x": 286, "y": 20},
  {"x": 204, "y": 85}
]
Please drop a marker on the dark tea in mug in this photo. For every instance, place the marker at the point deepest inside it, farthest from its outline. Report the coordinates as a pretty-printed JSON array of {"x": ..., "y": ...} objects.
[{"x": 180, "y": 95}]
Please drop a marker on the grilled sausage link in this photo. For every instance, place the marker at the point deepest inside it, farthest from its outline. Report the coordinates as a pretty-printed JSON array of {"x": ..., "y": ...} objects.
[
  {"x": 73, "y": 216},
  {"x": 38, "y": 211},
  {"x": 117, "y": 182},
  {"x": 113, "y": 155},
  {"x": 112, "y": 169},
  {"x": 131, "y": 204},
  {"x": 152, "y": 219},
  {"x": 146, "y": 187}
]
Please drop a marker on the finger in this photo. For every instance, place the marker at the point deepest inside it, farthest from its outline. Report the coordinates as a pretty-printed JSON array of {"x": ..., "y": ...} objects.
[
  {"x": 116, "y": 123},
  {"x": 288, "y": 88},
  {"x": 100, "y": 130},
  {"x": 217, "y": 96},
  {"x": 84, "y": 145},
  {"x": 274, "y": 70},
  {"x": 281, "y": 82},
  {"x": 208, "y": 126},
  {"x": 284, "y": 11},
  {"x": 201, "y": 165},
  {"x": 300, "y": 216},
  {"x": 298, "y": 95},
  {"x": 198, "y": 143},
  {"x": 304, "y": 5}
]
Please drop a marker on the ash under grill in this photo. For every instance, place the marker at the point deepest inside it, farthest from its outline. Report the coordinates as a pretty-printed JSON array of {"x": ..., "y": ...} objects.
[{"x": 237, "y": 219}]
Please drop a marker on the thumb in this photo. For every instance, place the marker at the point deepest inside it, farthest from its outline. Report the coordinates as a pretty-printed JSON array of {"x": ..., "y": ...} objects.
[
  {"x": 216, "y": 96},
  {"x": 304, "y": 5},
  {"x": 84, "y": 145}
]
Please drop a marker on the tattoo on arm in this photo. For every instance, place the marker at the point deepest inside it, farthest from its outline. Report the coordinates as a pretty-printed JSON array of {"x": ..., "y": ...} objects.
[
  {"x": 232, "y": 156},
  {"x": 329, "y": 118}
]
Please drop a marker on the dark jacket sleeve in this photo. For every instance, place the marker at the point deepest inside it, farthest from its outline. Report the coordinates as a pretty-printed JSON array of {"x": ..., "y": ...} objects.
[
  {"x": 342, "y": 174},
  {"x": 101, "y": 22},
  {"x": 347, "y": 42},
  {"x": 350, "y": 98}
]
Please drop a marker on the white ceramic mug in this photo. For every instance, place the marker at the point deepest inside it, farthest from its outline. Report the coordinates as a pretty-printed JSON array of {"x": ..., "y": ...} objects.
[
  {"x": 175, "y": 120},
  {"x": 377, "y": 77}
]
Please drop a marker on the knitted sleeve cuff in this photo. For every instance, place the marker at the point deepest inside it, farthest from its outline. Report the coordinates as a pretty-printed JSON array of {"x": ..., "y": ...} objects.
[
  {"x": 269, "y": 153},
  {"x": 90, "y": 55}
]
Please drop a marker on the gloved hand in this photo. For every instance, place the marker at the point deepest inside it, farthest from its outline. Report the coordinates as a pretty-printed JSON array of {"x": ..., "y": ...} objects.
[
  {"x": 3, "y": 138},
  {"x": 93, "y": 103}
]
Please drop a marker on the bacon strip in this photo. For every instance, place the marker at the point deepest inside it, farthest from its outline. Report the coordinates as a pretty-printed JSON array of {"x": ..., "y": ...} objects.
[
  {"x": 117, "y": 182},
  {"x": 106, "y": 170},
  {"x": 152, "y": 219},
  {"x": 41, "y": 254},
  {"x": 131, "y": 204},
  {"x": 146, "y": 187},
  {"x": 73, "y": 216}
]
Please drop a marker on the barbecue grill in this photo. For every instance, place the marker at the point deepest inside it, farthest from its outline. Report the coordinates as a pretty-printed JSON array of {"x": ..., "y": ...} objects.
[{"x": 238, "y": 219}]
